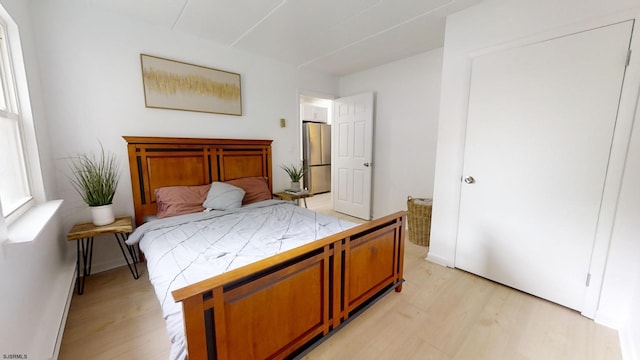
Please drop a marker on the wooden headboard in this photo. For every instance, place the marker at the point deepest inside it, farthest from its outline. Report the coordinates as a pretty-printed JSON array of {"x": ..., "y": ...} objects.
[{"x": 155, "y": 162}]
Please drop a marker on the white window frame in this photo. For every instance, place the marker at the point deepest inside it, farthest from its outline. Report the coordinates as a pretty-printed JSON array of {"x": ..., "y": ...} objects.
[{"x": 13, "y": 75}]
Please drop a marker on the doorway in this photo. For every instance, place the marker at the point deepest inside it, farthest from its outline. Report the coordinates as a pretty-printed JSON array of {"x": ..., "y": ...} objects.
[
  {"x": 316, "y": 115},
  {"x": 339, "y": 159}
]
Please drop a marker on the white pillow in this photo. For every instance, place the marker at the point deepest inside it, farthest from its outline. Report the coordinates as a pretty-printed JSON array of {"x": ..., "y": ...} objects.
[{"x": 223, "y": 196}]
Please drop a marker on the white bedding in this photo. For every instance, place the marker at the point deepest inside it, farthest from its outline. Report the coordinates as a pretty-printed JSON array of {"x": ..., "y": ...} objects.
[{"x": 185, "y": 249}]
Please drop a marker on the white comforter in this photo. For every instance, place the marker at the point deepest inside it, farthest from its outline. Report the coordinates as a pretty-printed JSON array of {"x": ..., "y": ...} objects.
[{"x": 185, "y": 249}]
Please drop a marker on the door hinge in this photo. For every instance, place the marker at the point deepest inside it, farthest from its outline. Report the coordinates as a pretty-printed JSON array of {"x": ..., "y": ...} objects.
[
  {"x": 588, "y": 280},
  {"x": 628, "y": 58}
]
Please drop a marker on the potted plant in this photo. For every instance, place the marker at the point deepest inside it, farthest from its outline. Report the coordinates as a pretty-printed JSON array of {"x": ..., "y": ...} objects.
[
  {"x": 295, "y": 174},
  {"x": 95, "y": 178}
]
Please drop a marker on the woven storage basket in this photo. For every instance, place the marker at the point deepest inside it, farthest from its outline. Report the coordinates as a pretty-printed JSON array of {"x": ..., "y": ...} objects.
[{"x": 419, "y": 220}]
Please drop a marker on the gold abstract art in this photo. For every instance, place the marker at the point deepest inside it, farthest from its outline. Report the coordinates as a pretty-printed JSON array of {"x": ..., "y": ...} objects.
[
  {"x": 167, "y": 83},
  {"x": 175, "y": 85}
]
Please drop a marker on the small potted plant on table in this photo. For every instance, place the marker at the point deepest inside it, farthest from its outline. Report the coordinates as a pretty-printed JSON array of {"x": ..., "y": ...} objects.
[
  {"x": 95, "y": 178},
  {"x": 295, "y": 174}
]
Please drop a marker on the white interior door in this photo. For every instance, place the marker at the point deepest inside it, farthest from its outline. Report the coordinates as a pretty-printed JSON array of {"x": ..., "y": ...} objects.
[
  {"x": 540, "y": 125},
  {"x": 353, "y": 152}
]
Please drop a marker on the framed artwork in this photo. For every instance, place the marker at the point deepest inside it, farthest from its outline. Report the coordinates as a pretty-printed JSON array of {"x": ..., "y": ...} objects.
[{"x": 176, "y": 85}]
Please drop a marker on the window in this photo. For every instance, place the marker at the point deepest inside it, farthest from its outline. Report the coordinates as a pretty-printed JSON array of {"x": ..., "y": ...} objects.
[{"x": 15, "y": 187}]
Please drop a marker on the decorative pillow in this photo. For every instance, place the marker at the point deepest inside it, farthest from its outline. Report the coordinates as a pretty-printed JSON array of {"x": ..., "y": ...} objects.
[
  {"x": 255, "y": 188},
  {"x": 223, "y": 196},
  {"x": 178, "y": 200}
]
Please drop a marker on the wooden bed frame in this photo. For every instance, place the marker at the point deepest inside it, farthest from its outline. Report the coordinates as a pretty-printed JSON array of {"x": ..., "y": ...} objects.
[{"x": 279, "y": 307}]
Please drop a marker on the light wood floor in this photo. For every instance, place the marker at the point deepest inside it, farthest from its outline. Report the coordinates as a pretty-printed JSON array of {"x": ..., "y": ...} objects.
[{"x": 441, "y": 313}]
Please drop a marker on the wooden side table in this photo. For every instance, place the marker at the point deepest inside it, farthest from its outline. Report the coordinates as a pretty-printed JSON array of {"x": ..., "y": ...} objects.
[
  {"x": 84, "y": 233},
  {"x": 293, "y": 197}
]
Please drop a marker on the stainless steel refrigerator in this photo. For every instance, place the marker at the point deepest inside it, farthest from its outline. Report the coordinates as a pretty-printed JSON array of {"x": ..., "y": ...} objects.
[{"x": 316, "y": 145}]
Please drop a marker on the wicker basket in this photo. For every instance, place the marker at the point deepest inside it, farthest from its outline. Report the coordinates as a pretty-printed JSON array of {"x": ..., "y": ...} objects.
[{"x": 419, "y": 220}]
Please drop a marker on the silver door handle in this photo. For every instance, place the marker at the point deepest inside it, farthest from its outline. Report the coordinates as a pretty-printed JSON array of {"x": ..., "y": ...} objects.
[
  {"x": 469, "y": 180},
  {"x": 366, "y": 164}
]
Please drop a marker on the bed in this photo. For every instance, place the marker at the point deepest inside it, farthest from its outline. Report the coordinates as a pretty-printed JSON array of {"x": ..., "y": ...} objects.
[{"x": 286, "y": 302}]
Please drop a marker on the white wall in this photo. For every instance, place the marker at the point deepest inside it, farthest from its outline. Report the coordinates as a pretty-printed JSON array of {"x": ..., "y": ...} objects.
[
  {"x": 407, "y": 97},
  {"x": 90, "y": 65},
  {"x": 493, "y": 23},
  {"x": 35, "y": 276},
  {"x": 630, "y": 333},
  {"x": 619, "y": 304}
]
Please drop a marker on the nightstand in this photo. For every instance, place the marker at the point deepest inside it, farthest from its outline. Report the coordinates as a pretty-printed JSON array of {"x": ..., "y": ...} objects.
[
  {"x": 294, "y": 197},
  {"x": 83, "y": 235}
]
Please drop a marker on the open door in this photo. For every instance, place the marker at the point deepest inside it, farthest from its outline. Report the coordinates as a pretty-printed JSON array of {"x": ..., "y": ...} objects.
[{"x": 353, "y": 155}]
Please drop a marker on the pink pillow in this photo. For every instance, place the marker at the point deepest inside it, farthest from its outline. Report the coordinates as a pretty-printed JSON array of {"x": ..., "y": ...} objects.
[
  {"x": 178, "y": 200},
  {"x": 255, "y": 188}
]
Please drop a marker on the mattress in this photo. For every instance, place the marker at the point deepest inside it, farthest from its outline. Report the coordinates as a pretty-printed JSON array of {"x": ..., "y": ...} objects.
[{"x": 185, "y": 249}]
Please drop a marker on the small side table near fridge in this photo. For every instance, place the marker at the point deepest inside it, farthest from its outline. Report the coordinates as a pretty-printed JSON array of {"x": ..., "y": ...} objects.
[
  {"x": 294, "y": 197},
  {"x": 84, "y": 233}
]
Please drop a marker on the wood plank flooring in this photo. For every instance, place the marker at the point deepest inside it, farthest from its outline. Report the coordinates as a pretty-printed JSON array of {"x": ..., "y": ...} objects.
[{"x": 441, "y": 313}]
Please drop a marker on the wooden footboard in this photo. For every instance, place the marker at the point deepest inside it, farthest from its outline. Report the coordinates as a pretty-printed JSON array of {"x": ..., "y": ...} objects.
[{"x": 280, "y": 306}]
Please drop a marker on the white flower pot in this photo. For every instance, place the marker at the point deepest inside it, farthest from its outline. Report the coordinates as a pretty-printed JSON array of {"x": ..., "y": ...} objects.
[
  {"x": 295, "y": 185},
  {"x": 102, "y": 215}
]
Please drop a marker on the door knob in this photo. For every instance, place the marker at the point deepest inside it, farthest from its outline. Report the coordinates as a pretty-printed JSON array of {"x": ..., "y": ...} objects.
[
  {"x": 366, "y": 164},
  {"x": 469, "y": 180}
]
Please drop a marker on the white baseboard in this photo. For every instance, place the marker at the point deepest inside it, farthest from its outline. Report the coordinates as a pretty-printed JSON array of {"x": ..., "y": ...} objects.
[
  {"x": 112, "y": 264},
  {"x": 48, "y": 336},
  {"x": 437, "y": 260},
  {"x": 63, "y": 321}
]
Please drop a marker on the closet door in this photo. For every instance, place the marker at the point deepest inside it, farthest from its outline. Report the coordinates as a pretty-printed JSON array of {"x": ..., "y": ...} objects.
[{"x": 540, "y": 125}]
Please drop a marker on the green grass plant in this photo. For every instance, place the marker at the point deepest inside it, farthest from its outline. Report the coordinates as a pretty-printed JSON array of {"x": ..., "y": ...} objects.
[{"x": 95, "y": 177}]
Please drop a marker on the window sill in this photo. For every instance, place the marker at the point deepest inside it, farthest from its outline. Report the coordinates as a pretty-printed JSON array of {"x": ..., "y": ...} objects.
[{"x": 30, "y": 224}]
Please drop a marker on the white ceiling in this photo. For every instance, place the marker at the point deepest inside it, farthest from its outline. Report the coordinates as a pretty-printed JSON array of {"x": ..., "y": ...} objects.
[{"x": 337, "y": 37}]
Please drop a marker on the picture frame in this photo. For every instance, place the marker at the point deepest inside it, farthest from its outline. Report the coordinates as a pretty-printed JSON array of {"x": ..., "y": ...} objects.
[{"x": 176, "y": 85}]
